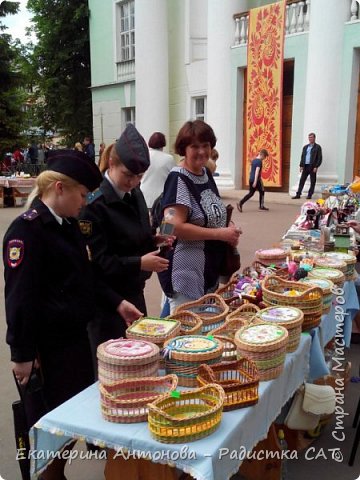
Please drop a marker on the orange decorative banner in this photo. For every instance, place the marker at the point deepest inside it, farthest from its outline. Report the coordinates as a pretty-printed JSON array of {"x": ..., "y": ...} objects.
[{"x": 264, "y": 89}]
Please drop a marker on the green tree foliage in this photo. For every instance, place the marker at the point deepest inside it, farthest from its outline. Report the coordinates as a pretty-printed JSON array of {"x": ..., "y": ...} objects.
[
  {"x": 62, "y": 61},
  {"x": 11, "y": 80}
]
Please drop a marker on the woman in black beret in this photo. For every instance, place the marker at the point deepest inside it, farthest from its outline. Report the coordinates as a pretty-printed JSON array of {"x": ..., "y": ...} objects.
[{"x": 49, "y": 291}]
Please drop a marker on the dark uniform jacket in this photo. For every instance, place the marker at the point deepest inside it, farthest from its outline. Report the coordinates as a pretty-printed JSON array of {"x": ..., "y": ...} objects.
[
  {"x": 315, "y": 156},
  {"x": 118, "y": 234},
  {"x": 48, "y": 282}
]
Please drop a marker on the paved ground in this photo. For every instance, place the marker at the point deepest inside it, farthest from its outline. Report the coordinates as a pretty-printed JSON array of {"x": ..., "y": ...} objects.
[{"x": 260, "y": 230}]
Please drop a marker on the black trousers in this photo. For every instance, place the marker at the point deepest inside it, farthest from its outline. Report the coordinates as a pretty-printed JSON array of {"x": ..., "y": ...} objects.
[
  {"x": 252, "y": 190},
  {"x": 307, "y": 170}
]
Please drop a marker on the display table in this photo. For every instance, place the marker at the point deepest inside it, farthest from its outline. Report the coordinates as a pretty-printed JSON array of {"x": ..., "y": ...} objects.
[
  {"x": 330, "y": 324},
  {"x": 18, "y": 187},
  {"x": 239, "y": 431}
]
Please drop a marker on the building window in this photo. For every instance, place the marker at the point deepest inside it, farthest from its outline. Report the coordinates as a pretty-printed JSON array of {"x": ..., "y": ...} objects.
[
  {"x": 199, "y": 108},
  {"x": 128, "y": 116},
  {"x": 126, "y": 30}
]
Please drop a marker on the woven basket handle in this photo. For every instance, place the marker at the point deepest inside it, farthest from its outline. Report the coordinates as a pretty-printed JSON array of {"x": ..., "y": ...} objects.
[{"x": 209, "y": 371}]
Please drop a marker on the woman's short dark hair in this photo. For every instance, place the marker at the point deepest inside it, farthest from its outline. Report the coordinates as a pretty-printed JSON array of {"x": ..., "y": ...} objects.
[
  {"x": 157, "y": 140},
  {"x": 194, "y": 131}
]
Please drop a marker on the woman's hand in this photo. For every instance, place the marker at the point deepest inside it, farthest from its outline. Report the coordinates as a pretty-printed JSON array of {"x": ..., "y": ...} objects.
[
  {"x": 164, "y": 240},
  {"x": 22, "y": 371},
  {"x": 354, "y": 224},
  {"x": 151, "y": 262},
  {"x": 230, "y": 234},
  {"x": 128, "y": 312}
]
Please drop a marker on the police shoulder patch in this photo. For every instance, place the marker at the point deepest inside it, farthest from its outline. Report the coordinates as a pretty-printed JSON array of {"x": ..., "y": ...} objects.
[
  {"x": 30, "y": 214},
  {"x": 15, "y": 252},
  {"x": 92, "y": 196},
  {"x": 85, "y": 227}
]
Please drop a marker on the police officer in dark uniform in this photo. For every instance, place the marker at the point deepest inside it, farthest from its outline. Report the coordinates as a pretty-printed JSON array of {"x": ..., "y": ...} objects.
[
  {"x": 117, "y": 228},
  {"x": 49, "y": 289}
]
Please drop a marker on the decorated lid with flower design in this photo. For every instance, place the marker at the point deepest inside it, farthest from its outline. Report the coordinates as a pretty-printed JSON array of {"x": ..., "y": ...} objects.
[
  {"x": 266, "y": 337},
  {"x": 123, "y": 351},
  {"x": 282, "y": 315}
]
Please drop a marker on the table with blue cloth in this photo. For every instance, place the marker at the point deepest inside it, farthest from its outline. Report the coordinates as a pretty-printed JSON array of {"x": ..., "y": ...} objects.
[
  {"x": 338, "y": 322},
  {"x": 239, "y": 431}
]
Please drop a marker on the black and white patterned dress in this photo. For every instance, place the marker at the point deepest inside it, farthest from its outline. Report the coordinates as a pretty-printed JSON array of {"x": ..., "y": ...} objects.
[{"x": 194, "y": 264}]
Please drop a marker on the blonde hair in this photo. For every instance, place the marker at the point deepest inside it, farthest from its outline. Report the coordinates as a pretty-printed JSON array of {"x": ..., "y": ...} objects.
[
  {"x": 78, "y": 146},
  {"x": 104, "y": 159},
  {"x": 45, "y": 181}
]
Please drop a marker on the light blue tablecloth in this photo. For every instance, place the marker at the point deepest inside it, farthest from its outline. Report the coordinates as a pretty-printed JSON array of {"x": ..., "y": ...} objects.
[
  {"x": 80, "y": 418},
  {"x": 330, "y": 324}
]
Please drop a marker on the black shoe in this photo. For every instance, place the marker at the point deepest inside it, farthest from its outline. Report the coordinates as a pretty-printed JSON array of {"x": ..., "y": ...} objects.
[
  {"x": 239, "y": 207},
  {"x": 296, "y": 196},
  {"x": 263, "y": 208},
  {"x": 309, "y": 198}
]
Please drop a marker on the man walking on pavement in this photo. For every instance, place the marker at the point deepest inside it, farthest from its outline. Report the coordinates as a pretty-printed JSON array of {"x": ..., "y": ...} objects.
[{"x": 311, "y": 159}]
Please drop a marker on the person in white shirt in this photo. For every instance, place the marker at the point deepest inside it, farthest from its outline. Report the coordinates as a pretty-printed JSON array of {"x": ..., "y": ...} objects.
[{"x": 161, "y": 163}]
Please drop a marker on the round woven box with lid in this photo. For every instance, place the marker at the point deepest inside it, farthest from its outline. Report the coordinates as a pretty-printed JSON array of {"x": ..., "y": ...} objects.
[
  {"x": 289, "y": 317},
  {"x": 183, "y": 355},
  {"x": 266, "y": 345},
  {"x": 349, "y": 259},
  {"x": 332, "y": 274},
  {"x": 271, "y": 255},
  {"x": 326, "y": 287},
  {"x": 330, "y": 262},
  {"x": 123, "y": 358}
]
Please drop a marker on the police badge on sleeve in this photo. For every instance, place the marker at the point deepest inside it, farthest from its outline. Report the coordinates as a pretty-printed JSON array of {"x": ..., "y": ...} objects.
[{"x": 15, "y": 253}]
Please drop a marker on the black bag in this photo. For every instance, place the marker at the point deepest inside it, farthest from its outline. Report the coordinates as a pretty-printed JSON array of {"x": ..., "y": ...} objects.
[
  {"x": 232, "y": 261},
  {"x": 26, "y": 412}
]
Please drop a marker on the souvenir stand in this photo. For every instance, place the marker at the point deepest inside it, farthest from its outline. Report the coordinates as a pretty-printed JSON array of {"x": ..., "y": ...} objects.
[
  {"x": 272, "y": 322},
  {"x": 15, "y": 190}
]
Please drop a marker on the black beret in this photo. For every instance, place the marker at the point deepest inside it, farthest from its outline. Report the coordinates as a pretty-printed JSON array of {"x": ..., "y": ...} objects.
[
  {"x": 75, "y": 165},
  {"x": 132, "y": 150}
]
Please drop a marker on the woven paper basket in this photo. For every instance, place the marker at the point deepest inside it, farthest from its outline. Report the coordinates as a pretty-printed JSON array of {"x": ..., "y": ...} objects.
[
  {"x": 188, "y": 417},
  {"x": 152, "y": 329},
  {"x": 184, "y": 355},
  {"x": 289, "y": 317},
  {"x": 124, "y": 358},
  {"x": 266, "y": 345},
  {"x": 330, "y": 262},
  {"x": 228, "y": 294},
  {"x": 230, "y": 349},
  {"x": 309, "y": 300},
  {"x": 191, "y": 324},
  {"x": 127, "y": 400},
  {"x": 245, "y": 312},
  {"x": 211, "y": 308},
  {"x": 336, "y": 276},
  {"x": 229, "y": 328},
  {"x": 326, "y": 286},
  {"x": 350, "y": 261},
  {"x": 240, "y": 381}
]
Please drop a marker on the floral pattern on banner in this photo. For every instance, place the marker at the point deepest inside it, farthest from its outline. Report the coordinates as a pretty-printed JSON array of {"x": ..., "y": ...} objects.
[{"x": 264, "y": 89}]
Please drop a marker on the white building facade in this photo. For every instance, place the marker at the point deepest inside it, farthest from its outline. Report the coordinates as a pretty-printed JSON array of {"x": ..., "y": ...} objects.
[{"x": 158, "y": 63}]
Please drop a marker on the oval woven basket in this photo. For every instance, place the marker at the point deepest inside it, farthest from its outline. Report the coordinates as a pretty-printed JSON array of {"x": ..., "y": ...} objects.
[
  {"x": 191, "y": 324},
  {"x": 190, "y": 415},
  {"x": 127, "y": 401},
  {"x": 326, "y": 286},
  {"x": 211, "y": 308},
  {"x": 336, "y": 276},
  {"x": 245, "y": 312},
  {"x": 230, "y": 349},
  {"x": 330, "y": 262},
  {"x": 239, "y": 379},
  {"x": 230, "y": 327},
  {"x": 350, "y": 261}
]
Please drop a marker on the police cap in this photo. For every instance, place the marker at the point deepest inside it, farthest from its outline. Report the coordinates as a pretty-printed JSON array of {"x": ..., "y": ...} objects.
[
  {"x": 132, "y": 150},
  {"x": 75, "y": 165}
]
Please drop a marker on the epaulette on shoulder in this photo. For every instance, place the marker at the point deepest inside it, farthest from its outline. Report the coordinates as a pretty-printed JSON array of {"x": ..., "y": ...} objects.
[
  {"x": 30, "y": 214},
  {"x": 92, "y": 196}
]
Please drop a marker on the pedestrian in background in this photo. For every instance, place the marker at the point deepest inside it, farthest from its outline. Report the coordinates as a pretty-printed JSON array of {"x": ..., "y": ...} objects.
[
  {"x": 255, "y": 181},
  {"x": 311, "y": 159}
]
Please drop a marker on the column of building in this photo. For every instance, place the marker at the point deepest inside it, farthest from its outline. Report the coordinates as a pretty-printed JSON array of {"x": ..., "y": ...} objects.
[
  {"x": 323, "y": 82},
  {"x": 221, "y": 31},
  {"x": 151, "y": 67}
]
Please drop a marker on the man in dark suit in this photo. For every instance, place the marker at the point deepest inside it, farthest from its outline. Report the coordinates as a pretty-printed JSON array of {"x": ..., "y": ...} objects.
[{"x": 311, "y": 159}]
